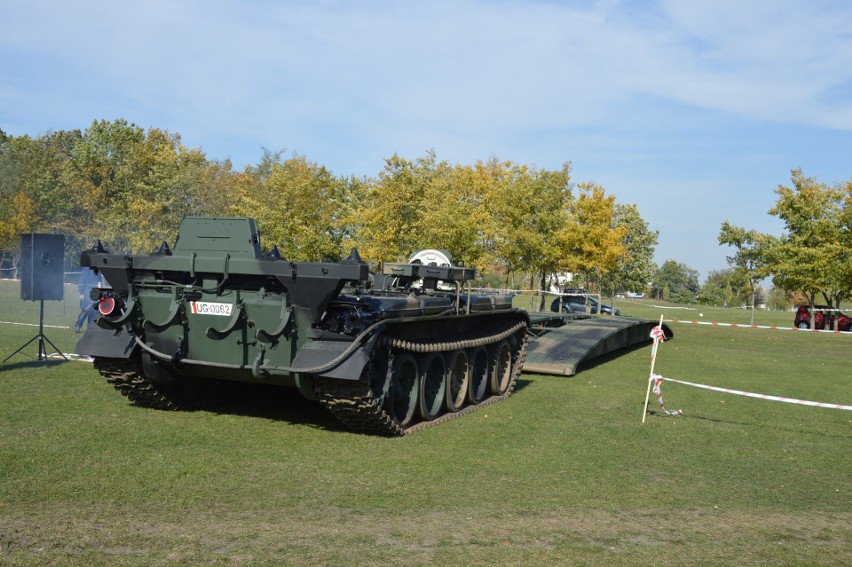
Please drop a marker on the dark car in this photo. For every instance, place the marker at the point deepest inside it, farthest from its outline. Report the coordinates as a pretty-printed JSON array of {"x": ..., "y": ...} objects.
[
  {"x": 824, "y": 318},
  {"x": 576, "y": 300}
]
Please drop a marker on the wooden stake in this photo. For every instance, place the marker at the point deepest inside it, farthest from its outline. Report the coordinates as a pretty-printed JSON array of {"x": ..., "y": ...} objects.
[{"x": 653, "y": 361}]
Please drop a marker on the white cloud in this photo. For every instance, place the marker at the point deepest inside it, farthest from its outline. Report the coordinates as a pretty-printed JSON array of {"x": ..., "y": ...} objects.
[
  {"x": 482, "y": 65},
  {"x": 645, "y": 97}
]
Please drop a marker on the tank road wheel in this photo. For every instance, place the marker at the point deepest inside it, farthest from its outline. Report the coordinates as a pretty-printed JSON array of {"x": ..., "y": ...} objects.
[
  {"x": 458, "y": 379},
  {"x": 378, "y": 375},
  {"x": 478, "y": 383},
  {"x": 501, "y": 368},
  {"x": 401, "y": 400},
  {"x": 433, "y": 386}
]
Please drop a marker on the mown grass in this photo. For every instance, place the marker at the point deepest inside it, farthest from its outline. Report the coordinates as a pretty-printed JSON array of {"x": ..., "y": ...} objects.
[{"x": 562, "y": 472}]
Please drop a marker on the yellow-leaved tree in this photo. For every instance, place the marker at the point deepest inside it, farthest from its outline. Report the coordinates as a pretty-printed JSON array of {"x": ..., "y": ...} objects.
[
  {"x": 529, "y": 208},
  {"x": 592, "y": 243},
  {"x": 300, "y": 207},
  {"x": 453, "y": 216},
  {"x": 391, "y": 214}
]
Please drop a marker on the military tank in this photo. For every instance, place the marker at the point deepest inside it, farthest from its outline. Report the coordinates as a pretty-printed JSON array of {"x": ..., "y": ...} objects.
[{"x": 387, "y": 354}]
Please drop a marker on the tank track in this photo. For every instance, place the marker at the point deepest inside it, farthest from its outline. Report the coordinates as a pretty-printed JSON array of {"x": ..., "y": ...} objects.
[
  {"x": 353, "y": 402},
  {"x": 126, "y": 377},
  {"x": 356, "y": 405},
  {"x": 187, "y": 394}
]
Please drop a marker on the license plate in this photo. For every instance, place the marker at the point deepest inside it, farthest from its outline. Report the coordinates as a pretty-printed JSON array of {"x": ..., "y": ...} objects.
[{"x": 210, "y": 308}]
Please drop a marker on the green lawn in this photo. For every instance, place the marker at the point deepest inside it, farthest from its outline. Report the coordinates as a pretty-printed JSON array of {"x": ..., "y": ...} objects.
[{"x": 561, "y": 473}]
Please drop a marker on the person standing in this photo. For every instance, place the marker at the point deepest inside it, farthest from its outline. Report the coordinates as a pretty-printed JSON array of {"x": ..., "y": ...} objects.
[{"x": 88, "y": 280}]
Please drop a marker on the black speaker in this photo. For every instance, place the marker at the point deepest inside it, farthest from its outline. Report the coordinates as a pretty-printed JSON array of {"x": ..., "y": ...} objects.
[{"x": 41, "y": 267}]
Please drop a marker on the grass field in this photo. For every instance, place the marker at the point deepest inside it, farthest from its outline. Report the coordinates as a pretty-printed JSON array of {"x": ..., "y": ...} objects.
[{"x": 561, "y": 473}]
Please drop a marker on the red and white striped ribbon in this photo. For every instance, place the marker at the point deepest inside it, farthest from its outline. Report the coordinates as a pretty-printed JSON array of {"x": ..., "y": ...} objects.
[
  {"x": 658, "y": 391},
  {"x": 659, "y": 336},
  {"x": 34, "y": 325},
  {"x": 657, "y": 379},
  {"x": 772, "y": 327}
]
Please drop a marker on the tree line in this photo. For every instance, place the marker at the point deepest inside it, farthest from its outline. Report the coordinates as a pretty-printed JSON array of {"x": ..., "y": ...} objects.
[{"x": 518, "y": 225}]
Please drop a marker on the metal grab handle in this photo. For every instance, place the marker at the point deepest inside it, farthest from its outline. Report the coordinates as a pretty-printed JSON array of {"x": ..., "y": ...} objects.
[
  {"x": 177, "y": 305},
  {"x": 238, "y": 313},
  {"x": 270, "y": 336}
]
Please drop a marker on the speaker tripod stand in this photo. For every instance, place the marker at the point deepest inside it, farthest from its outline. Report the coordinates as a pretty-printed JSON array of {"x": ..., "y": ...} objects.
[{"x": 40, "y": 337}]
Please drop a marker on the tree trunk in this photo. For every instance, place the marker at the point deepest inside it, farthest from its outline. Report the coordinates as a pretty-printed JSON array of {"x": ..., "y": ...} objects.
[
  {"x": 532, "y": 292},
  {"x": 751, "y": 285}
]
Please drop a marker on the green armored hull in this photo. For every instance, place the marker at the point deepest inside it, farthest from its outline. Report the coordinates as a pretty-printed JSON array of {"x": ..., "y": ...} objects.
[{"x": 385, "y": 354}]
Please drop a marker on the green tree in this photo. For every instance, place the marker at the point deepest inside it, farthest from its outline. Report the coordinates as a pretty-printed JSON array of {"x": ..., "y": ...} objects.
[
  {"x": 168, "y": 177},
  {"x": 635, "y": 267},
  {"x": 454, "y": 217},
  {"x": 530, "y": 209},
  {"x": 846, "y": 234},
  {"x": 749, "y": 258},
  {"x": 131, "y": 187},
  {"x": 218, "y": 189},
  {"x": 813, "y": 254},
  {"x": 394, "y": 204},
  {"x": 779, "y": 299},
  {"x": 300, "y": 206},
  {"x": 103, "y": 174},
  {"x": 33, "y": 195},
  {"x": 725, "y": 287},
  {"x": 678, "y": 281}
]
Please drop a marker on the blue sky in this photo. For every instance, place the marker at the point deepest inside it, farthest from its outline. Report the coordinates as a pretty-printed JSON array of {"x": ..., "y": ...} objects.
[{"x": 695, "y": 111}]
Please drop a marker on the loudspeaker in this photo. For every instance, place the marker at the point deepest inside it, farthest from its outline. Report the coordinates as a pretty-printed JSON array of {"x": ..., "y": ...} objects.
[{"x": 41, "y": 267}]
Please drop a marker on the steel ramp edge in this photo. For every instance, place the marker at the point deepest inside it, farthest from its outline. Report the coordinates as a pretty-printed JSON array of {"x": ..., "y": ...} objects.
[{"x": 560, "y": 350}]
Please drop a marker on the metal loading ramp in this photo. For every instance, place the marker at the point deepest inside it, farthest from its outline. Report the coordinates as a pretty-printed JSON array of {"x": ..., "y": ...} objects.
[{"x": 559, "y": 343}]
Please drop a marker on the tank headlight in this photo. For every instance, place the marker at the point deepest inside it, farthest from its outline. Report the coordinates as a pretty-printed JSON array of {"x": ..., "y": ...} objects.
[{"x": 106, "y": 305}]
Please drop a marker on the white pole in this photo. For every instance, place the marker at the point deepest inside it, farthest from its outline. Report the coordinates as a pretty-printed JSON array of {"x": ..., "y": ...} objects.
[{"x": 650, "y": 377}]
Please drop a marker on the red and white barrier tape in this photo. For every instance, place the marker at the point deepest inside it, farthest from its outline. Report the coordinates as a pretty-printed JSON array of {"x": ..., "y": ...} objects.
[
  {"x": 17, "y": 280},
  {"x": 772, "y": 327},
  {"x": 658, "y": 391},
  {"x": 658, "y": 379},
  {"x": 666, "y": 306},
  {"x": 34, "y": 325}
]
